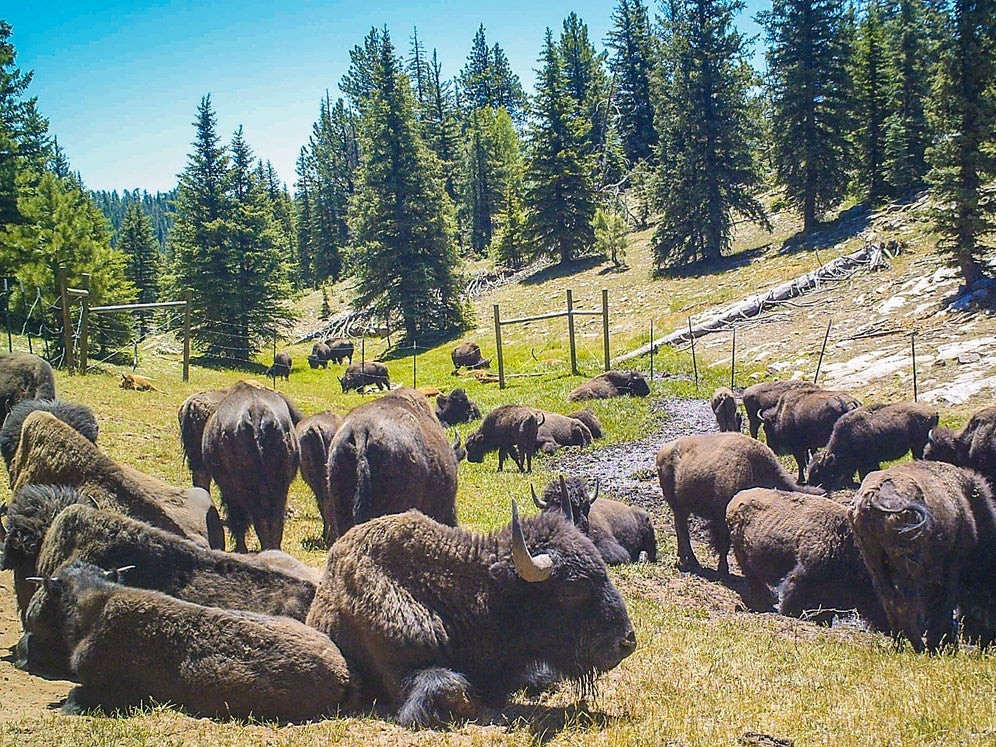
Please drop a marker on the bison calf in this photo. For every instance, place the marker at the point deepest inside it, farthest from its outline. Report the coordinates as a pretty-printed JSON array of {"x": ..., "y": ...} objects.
[
  {"x": 511, "y": 431},
  {"x": 456, "y": 407},
  {"x": 612, "y": 384}
]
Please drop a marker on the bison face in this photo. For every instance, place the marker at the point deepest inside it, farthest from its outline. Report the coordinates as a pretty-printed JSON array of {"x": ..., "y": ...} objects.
[
  {"x": 942, "y": 446},
  {"x": 824, "y": 470},
  {"x": 476, "y": 448},
  {"x": 638, "y": 385},
  {"x": 344, "y": 383}
]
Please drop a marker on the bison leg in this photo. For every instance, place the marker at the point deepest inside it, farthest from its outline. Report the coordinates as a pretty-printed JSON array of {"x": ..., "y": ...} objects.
[
  {"x": 802, "y": 459},
  {"x": 720, "y": 535},
  {"x": 201, "y": 478},
  {"x": 502, "y": 453},
  {"x": 686, "y": 557},
  {"x": 795, "y": 599},
  {"x": 238, "y": 525},
  {"x": 436, "y": 697}
]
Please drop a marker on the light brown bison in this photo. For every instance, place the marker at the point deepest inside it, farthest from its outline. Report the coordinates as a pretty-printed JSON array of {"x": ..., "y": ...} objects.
[
  {"x": 251, "y": 451},
  {"x": 724, "y": 406},
  {"x": 24, "y": 376},
  {"x": 612, "y": 384},
  {"x": 388, "y": 456},
  {"x": 588, "y": 417},
  {"x": 864, "y": 438},
  {"x": 129, "y": 646},
  {"x": 456, "y": 407},
  {"x": 80, "y": 417},
  {"x": 359, "y": 375},
  {"x": 314, "y": 435},
  {"x": 511, "y": 431},
  {"x": 468, "y": 355},
  {"x": 801, "y": 545},
  {"x": 439, "y": 622},
  {"x": 974, "y": 447},
  {"x": 193, "y": 416},
  {"x": 281, "y": 367},
  {"x": 701, "y": 474},
  {"x": 927, "y": 533},
  {"x": 560, "y": 430},
  {"x": 763, "y": 396}
]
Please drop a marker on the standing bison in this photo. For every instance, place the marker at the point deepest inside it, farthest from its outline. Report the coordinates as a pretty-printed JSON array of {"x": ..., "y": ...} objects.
[
  {"x": 359, "y": 375},
  {"x": 24, "y": 376},
  {"x": 314, "y": 435},
  {"x": 612, "y": 384},
  {"x": 764, "y": 396},
  {"x": 251, "y": 451},
  {"x": 974, "y": 447},
  {"x": 511, "y": 431},
  {"x": 468, "y": 355},
  {"x": 281, "y": 367},
  {"x": 339, "y": 349},
  {"x": 440, "y": 623},
  {"x": 388, "y": 456},
  {"x": 724, "y": 407},
  {"x": 193, "y": 416}
]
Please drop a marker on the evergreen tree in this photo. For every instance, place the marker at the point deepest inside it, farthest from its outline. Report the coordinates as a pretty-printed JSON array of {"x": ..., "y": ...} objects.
[
  {"x": 442, "y": 126},
  {"x": 510, "y": 238},
  {"x": 560, "y": 193},
  {"x": 631, "y": 41},
  {"x": 963, "y": 157},
  {"x": 405, "y": 256},
  {"x": 139, "y": 245},
  {"x": 358, "y": 82},
  {"x": 487, "y": 79},
  {"x": 808, "y": 42},
  {"x": 305, "y": 221},
  {"x": 872, "y": 81}
]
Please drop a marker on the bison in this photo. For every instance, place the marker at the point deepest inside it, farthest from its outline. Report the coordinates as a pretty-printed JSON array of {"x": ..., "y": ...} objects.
[
  {"x": 974, "y": 447},
  {"x": 281, "y": 367},
  {"x": 320, "y": 354},
  {"x": 456, "y": 407},
  {"x": 440, "y": 622},
  {"x": 79, "y": 417},
  {"x": 864, "y": 438},
  {"x": 612, "y": 384},
  {"x": 468, "y": 355},
  {"x": 359, "y": 375},
  {"x": 801, "y": 545},
  {"x": 388, "y": 456},
  {"x": 130, "y": 645},
  {"x": 560, "y": 430},
  {"x": 314, "y": 435},
  {"x": 193, "y": 416},
  {"x": 764, "y": 396},
  {"x": 588, "y": 417},
  {"x": 701, "y": 474},
  {"x": 24, "y": 376},
  {"x": 511, "y": 431},
  {"x": 251, "y": 451},
  {"x": 724, "y": 406},
  {"x": 340, "y": 349},
  {"x": 927, "y": 533}
]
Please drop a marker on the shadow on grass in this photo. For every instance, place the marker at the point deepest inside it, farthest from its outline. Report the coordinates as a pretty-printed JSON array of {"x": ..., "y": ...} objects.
[
  {"x": 714, "y": 266},
  {"x": 563, "y": 270},
  {"x": 614, "y": 270},
  {"x": 229, "y": 364},
  {"x": 846, "y": 226},
  {"x": 546, "y": 722}
]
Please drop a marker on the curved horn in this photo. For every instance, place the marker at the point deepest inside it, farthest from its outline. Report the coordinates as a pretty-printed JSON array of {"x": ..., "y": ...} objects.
[
  {"x": 540, "y": 503},
  {"x": 565, "y": 501},
  {"x": 124, "y": 568},
  {"x": 35, "y": 579},
  {"x": 597, "y": 485},
  {"x": 930, "y": 437},
  {"x": 529, "y": 568}
]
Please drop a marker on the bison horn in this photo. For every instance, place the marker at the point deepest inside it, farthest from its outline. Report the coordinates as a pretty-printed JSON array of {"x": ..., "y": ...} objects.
[
  {"x": 565, "y": 501},
  {"x": 35, "y": 579},
  {"x": 930, "y": 437},
  {"x": 597, "y": 485},
  {"x": 540, "y": 503},
  {"x": 532, "y": 569}
]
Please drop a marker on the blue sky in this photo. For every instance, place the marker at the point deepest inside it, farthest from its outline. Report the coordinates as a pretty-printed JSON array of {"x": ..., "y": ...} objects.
[{"x": 120, "y": 81}]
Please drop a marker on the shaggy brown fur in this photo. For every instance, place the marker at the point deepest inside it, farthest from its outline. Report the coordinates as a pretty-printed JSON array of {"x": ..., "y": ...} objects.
[
  {"x": 80, "y": 417},
  {"x": 764, "y": 396},
  {"x": 468, "y": 355},
  {"x": 588, "y": 417},
  {"x": 130, "y": 645},
  {"x": 701, "y": 474},
  {"x": 193, "y": 416},
  {"x": 456, "y": 407},
  {"x": 281, "y": 367},
  {"x": 974, "y": 447},
  {"x": 724, "y": 406},
  {"x": 138, "y": 383},
  {"x": 314, "y": 435},
  {"x": 24, "y": 376},
  {"x": 864, "y": 438},
  {"x": 802, "y": 545},
  {"x": 927, "y": 532},
  {"x": 359, "y": 375},
  {"x": 340, "y": 349},
  {"x": 612, "y": 384},
  {"x": 511, "y": 431},
  {"x": 560, "y": 430}
]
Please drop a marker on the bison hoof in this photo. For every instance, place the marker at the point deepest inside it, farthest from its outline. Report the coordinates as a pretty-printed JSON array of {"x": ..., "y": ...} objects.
[{"x": 689, "y": 566}]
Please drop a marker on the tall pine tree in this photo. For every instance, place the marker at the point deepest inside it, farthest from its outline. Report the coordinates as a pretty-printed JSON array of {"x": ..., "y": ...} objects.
[
  {"x": 632, "y": 65},
  {"x": 139, "y": 245},
  {"x": 872, "y": 82},
  {"x": 487, "y": 79}
]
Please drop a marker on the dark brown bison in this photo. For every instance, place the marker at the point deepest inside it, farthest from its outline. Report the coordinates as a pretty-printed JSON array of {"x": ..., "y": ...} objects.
[
  {"x": 864, "y": 438},
  {"x": 314, "y": 435},
  {"x": 764, "y": 396},
  {"x": 724, "y": 406},
  {"x": 927, "y": 533},
  {"x": 803, "y": 420},
  {"x": 79, "y": 417},
  {"x": 251, "y": 451},
  {"x": 281, "y": 367},
  {"x": 388, "y": 456},
  {"x": 24, "y": 376},
  {"x": 802, "y": 546},
  {"x": 560, "y": 430},
  {"x": 130, "y": 645},
  {"x": 588, "y": 417},
  {"x": 701, "y": 474},
  {"x": 612, "y": 384},
  {"x": 456, "y": 407},
  {"x": 511, "y": 431},
  {"x": 439, "y": 622},
  {"x": 193, "y": 416},
  {"x": 320, "y": 354},
  {"x": 340, "y": 349},
  {"x": 974, "y": 447},
  {"x": 359, "y": 375},
  {"x": 468, "y": 355}
]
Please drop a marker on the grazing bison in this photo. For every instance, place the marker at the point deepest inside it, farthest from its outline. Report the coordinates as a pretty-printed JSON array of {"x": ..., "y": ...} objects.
[
  {"x": 801, "y": 545},
  {"x": 340, "y": 349},
  {"x": 388, "y": 456},
  {"x": 588, "y": 417},
  {"x": 359, "y": 375},
  {"x": 314, "y": 435},
  {"x": 320, "y": 354},
  {"x": 132, "y": 645},
  {"x": 456, "y": 407},
  {"x": 560, "y": 430},
  {"x": 50, "y": 452},
  {"x": 468, "y": 355},
  {"x": 79, "y": 417},
  {"x": 764, "y": 396},
  {"x": 621, "y": 533},
  {"x": 511, "y": 431},
  {"x": 281, "y": 367},
  {"x": 803, "y": 421},
  {"x": 612, "y": 384},
  {"x": 439, "y": 622},
  {"x": 864, "y": 438},
  {"x": 927, "y": 533},
  {"x": 251, "y": 451},
  {"x": 193, "y": 416},
  {"x": 701, "y": 474},
  {"x": 724, "y": 406},
  {"x": 24, "y": 376},
  {"x": 974, "y": 447}
]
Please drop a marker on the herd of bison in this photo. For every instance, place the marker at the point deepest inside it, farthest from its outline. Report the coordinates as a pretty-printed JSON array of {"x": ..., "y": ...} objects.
[{"x": 124, "y": 587}]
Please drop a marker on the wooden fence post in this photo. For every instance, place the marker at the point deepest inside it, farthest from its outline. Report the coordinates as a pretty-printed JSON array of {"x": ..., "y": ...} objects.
[
  {"x": 85, "y": 323},
  {"x": 733, "y": 358},
  {"x": 68, "y": 359},
  {"x": 187, "y": 297},
  {"x": 501, "y": 360},
  {"x": 605, "y": 325},
  {"x": 651, "y": 349},
  {"x": 414, "y": 365},
  {"x": 570, "y": 333}
]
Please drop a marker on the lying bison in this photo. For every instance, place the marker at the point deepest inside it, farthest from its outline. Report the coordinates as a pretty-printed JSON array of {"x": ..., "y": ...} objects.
[
  {"x": 511, "y": 431},
  {"x": 612, "y": 384},
  {"x": 764, "y": 396},
  {"x": 24, "y": 376},
  {"x": 468, "y": 355},
  {"x": 193, "y": 416},
  {"x": 701, "y": 474},
  {"x": 314, "y": 436},
  {"x": 974, "y": 447},
  {"x": 281, "y": 367},
  {"x": 129, "y": 646},
  {"x": 864, "y": 438},
  {"x": 359, "y": 375},
  {"x": 560, "y": 430},
  {"x": 588, "y": 417},
  {"x": 440, "y": 622},
  {"x": 456, "y": 407},
  {"x": 927, "y": 533},
  {"x": 724, "y": 407},
  {"x": 79, "y": 417},
  {"x": 251, "y": 451},
  {"x": 802, "y": 546},
  {"x": 388, "y": 456}
]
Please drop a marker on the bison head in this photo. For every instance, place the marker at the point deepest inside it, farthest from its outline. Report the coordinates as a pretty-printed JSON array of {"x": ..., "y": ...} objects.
[
  {"x": 476, "y": 447},
  {"x": 638, "y": 386},
  {"x": 942, "y": 446},
  {"x": 825, "y": 470},
  {"x": 570, "y": 497}
]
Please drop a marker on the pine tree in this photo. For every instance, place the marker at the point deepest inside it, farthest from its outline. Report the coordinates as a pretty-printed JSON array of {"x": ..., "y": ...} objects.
[
  {"x": 510, "y": 238},
  {"x": 808, "y": 42},
  {"x": 487, "y": 79},
  {"x": 560, "y": 193},
  {"x": 305, "y": 222},
  {"x": 963, "y": 158},
  {"x": 404, "y": 251},
  {"x": 442, "y": 126},
  {"x": 872, "y": 81},
  {"x": 139, "y": 245},
  {"x": 631, "y": 41}
]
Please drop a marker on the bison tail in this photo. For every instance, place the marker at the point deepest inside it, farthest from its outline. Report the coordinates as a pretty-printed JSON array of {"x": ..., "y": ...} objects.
[
  {"x": 911, "y": 529},
  {"x": 362, "y": 498}
]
